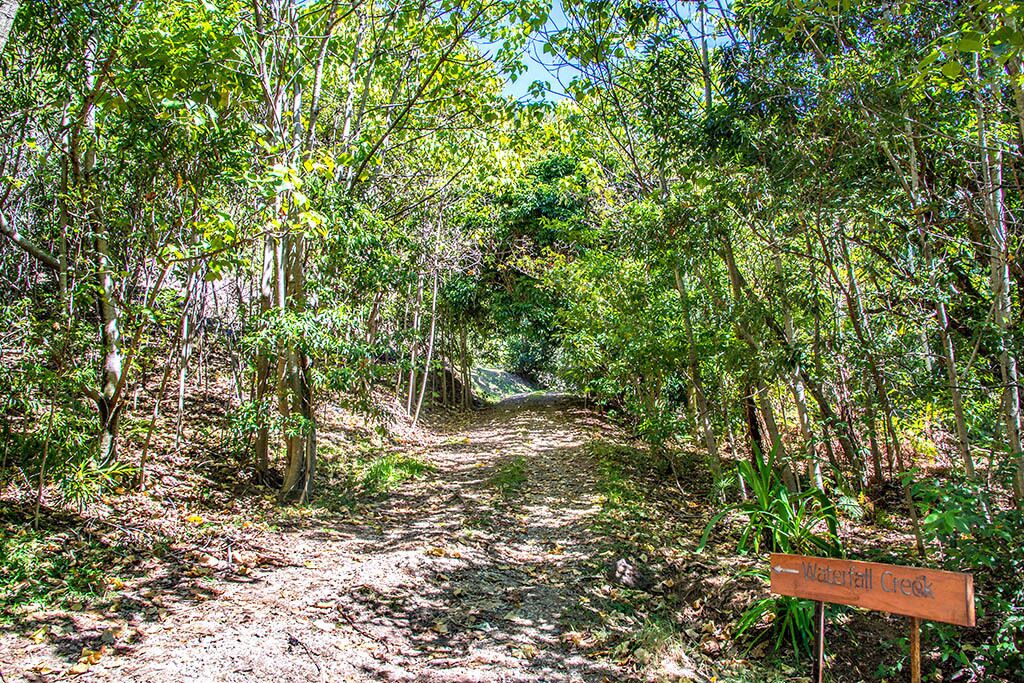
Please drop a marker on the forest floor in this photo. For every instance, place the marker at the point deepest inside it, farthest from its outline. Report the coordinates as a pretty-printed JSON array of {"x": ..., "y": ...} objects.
[{"x": 520, "y": 551}]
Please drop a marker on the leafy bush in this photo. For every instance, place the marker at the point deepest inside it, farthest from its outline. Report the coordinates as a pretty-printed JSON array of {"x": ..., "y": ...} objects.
[
  {"x": 991, "y": 546},
  {"x": 780, "y": 520},
  {"x": 791, "y": 624}
]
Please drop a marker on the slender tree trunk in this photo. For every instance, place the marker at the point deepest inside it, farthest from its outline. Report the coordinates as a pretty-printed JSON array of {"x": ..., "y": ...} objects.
[
  {"x": 107, "y": 400},
  {"x": 414, "y": 354},
  {"x": 796, "y": 386},
  {"x": 467, "y": 387},
  {"x": 430, "y": 349},
  {"x": 753, "y": 424},
  {"x": 264, "y": 363},
  {"x": 404, "y": 326},
  {"x": 862, "y": 330},
  {"x": 300, "y": 439},
  {"x": 188, "y": 332},
  {"x": 700, "y": 399},
  {"x": 918, "y": 192}
]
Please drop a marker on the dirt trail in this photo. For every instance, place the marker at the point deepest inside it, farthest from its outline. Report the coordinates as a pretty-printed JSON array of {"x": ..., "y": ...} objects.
[{"x": 450, "y": 579}]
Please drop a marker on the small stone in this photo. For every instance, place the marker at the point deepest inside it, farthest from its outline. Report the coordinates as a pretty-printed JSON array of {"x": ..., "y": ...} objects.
[{"x": 626, "y": 574}]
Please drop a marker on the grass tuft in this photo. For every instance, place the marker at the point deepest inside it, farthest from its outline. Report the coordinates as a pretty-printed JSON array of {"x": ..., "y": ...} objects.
[
  {"x": 348, "y": 480},
  {"x": 509, "y": 477}
]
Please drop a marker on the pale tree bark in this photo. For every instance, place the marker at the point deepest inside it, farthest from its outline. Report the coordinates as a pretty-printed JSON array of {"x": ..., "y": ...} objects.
[
  {"x": 301, "y": 439},
  {"x": 8, "y": 8},
  {"x": 996, "y": 220},
  {"x": 27, "y": 245},
  {"x": 796, "y": 384},
  {"x": 757, "y": 395},
  {"x": 862, "y": 330},
  {"x": 467, "y": 388},
  {"x": 279, "y": 53},
  {"x": 264, "y": 362},
  {"x": 414, "y": 352},
  {"x": 430, "y": 349},
  {"x": 844, "y": 429}
]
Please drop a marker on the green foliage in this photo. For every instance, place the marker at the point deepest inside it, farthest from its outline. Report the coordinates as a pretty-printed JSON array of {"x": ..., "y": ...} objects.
[
  {"x": 364, "y": 474},
  {"x": 47, "y": 569},
  {"x": 510, "y": 477},
  {"x": 384, "y": 474},
  {"x": 790, "y": 625},
  {"x": 977, "y": 536},
  {"x": 780, "y": 520}
]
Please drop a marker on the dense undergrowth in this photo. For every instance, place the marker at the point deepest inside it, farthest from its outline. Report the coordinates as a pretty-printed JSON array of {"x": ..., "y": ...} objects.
[{"x": 702, "y": 601}]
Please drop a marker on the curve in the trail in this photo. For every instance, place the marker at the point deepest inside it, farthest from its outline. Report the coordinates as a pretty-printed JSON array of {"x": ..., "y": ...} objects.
[{"x": 465, "y": 575}]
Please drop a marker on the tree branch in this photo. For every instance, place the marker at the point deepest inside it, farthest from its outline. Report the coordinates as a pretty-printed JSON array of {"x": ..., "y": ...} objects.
[{"x": 11, "y": 233}]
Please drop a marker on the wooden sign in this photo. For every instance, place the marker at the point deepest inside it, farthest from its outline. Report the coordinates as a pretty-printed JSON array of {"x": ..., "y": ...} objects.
[{"x": 910, "y": 591}]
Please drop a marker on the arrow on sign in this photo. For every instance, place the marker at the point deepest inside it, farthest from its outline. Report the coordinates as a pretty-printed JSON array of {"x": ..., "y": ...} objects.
[{"x": 779, "y": 569}]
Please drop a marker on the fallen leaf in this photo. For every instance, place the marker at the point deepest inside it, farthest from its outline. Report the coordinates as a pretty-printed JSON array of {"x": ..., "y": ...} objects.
[{"x": 92, "y": 656}]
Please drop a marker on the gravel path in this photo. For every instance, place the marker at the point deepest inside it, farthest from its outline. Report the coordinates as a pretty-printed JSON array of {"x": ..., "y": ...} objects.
[{"x": 463, "y": 575}]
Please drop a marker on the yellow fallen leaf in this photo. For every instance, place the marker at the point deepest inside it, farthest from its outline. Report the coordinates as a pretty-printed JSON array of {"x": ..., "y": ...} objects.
[
  {"x": 194, "y": 519},
  {"x": 40, "y": 634}
]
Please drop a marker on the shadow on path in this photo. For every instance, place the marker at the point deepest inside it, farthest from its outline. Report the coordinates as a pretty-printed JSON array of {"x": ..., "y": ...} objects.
[{"x": 453, "y": 578}]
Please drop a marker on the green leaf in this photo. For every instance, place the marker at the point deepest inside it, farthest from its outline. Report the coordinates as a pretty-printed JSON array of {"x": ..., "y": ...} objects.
[
  {"x": 929, "y": 60},
  {"x": 952, "y": 69},
  {"x": 970, "y": 43}
]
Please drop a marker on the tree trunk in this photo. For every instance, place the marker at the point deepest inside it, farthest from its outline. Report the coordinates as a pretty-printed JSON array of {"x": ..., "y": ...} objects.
[
  {"x": 753, "y": 425},
  {"x": 430, "y": 349},
  {"x": 300, "y": 420},
  {"x": 262, "y": 389},
  {"x": 467, "y": 387},
  {"x": 796, "y": 386},
  {"x": 8, "y": 8},
  {"x": 700, "y": 399},
  {"x": 995, "y": 214},
  {"x": 414, "y": 353},
  {"x": 107, "y": 401}
]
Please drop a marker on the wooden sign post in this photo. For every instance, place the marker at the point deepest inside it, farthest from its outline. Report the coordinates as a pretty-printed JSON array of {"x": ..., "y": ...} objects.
[{"x": 909, "y": 591}]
